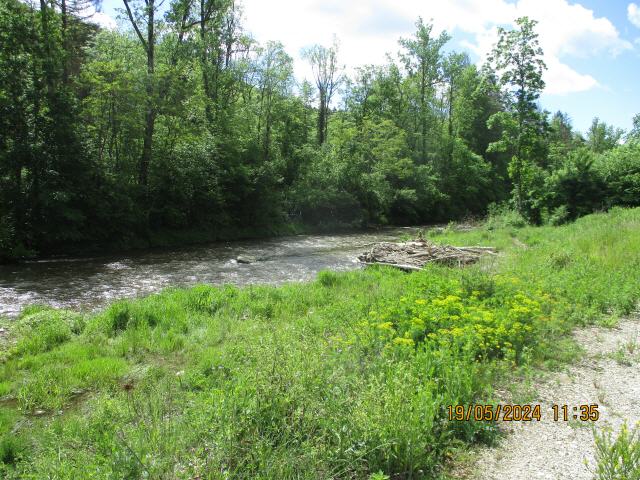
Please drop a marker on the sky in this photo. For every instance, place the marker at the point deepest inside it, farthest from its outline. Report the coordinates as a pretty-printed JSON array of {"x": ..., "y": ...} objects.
[{"x": 591, "y": 47}]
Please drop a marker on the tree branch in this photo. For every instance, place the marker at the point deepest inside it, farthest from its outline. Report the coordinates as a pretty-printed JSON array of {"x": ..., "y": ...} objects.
[{"x": 135, "y": 26}]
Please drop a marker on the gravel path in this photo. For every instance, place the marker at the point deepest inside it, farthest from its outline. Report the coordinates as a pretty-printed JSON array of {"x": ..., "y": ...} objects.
[{"x": 609, "y": 375}]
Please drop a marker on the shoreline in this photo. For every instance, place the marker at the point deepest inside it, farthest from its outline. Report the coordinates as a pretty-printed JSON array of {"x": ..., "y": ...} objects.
[{"x": 350, "y": 373}]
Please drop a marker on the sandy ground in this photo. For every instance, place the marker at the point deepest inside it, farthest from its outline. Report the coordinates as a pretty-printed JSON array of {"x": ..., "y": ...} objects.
[{"x": 609, "y": 375}]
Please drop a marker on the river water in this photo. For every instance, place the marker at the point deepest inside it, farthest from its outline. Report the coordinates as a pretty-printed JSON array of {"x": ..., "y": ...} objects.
[{"x": 90, "y": 283}]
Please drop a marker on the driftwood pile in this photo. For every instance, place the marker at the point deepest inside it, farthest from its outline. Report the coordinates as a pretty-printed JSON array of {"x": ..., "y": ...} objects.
[{"x": 416, "y": 254}]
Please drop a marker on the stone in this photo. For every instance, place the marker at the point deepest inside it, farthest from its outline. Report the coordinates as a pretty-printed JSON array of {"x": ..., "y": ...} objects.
[{"x": 245, "y": 259}]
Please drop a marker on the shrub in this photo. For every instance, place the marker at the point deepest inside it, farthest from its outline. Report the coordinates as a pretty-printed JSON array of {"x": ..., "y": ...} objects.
[
  {"x": 574, "y": 190},
  {"x": 559, "y": 215},
  {"x": 503, "y": 216},
  {"x": 497, "y": 321},
  {"x": 618, "y": 458},
  {"x": 12, "y": 449},
  {"x": 620, "y": 170}
]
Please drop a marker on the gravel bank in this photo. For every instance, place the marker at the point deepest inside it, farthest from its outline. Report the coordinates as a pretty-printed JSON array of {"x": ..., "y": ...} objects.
[{"x": 609, "y": 375}]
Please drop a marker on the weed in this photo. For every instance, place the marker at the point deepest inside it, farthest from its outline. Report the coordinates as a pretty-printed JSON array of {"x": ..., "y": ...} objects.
[
  {"x": 328, "y": 278},
  {"x": 626, "y": 353},
  {"x": 617, "y": 457}
]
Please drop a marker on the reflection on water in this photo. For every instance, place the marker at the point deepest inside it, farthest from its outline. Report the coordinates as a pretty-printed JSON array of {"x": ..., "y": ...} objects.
[{"x": 88, "y": 283}]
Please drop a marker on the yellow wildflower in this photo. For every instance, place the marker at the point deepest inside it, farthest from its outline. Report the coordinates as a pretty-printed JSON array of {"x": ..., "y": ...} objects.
[
  {"x": 403, "y": 341},
  {"x": 385, "y": 326}
]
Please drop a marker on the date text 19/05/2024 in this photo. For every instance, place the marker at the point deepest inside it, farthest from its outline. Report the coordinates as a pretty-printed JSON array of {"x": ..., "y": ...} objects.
[{"x": 522, "y": 413}]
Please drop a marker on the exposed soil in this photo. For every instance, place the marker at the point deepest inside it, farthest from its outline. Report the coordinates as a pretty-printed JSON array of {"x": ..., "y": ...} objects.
[{"x": 607, "y": 375}]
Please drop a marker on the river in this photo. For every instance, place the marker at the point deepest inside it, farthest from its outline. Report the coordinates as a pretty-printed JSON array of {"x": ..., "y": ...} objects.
[{"x": 91, "y": 283}]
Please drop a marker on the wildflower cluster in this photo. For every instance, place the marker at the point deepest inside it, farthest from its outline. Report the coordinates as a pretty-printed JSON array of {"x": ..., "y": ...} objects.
[{"x": 495, "y": 325}]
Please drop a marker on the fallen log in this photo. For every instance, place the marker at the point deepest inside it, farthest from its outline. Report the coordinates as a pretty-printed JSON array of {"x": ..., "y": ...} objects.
[{"x": 407, "y": 268}]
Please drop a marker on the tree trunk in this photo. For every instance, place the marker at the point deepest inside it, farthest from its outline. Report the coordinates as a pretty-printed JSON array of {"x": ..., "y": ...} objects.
[
  {"x": 322, "y": 118},
  {"x": 450, "y": 126},
  {"x": 150, "y": 117},
  {"x": 206, "y": 84},
  {"x": 65, "y": 42},
  {"x": 423, "y": 117}
]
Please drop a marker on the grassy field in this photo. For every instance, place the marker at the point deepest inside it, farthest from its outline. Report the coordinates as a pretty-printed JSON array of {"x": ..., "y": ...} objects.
[{"x": 349, "y": 376}]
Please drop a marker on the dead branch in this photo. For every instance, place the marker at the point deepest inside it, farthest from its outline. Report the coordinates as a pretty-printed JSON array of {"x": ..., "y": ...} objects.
[{"x": 414, "y": 255}]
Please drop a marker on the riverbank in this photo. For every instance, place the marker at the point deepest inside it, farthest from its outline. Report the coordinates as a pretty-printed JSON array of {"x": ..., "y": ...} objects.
[
  {"x": 343, "y": 377},
  {"x": 90, "y": 283},
  {"x": 184, "y": 238},
  {"x": 607, "y": 375}
]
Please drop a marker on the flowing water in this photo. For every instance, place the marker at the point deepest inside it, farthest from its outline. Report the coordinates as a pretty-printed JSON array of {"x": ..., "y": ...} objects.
[{"x": 89, "y": 283}]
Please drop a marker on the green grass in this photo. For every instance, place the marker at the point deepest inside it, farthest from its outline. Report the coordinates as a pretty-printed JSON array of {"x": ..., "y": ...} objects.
[{"x": 349, "y": 376}]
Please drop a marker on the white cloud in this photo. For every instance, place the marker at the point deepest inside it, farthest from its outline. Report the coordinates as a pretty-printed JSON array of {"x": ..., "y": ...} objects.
[
  {"x": 565, "y": 30},
  {"x": 91, "y": 14},
  {"x": 362, "y": 28},
  {"x": 571, "y": 29},
  {"x": 633, "y": 13},
  {"x": 562, "y": 79},
  {"x": 368, "y": 30},
  {"x": 103, "y": 20}
]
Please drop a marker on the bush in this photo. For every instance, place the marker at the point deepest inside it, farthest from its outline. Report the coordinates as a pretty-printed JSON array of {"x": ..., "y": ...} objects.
[
  {"x": 559, "y": 216},
  {"x": 503, "y": 216},
  {"x": 574, "y": 190},
  {"x": 496, "y": 321},
  {"x": 620, "y": 171},
  {"x": 464, "y": 179},
  {"x": 618, "y": 458}
]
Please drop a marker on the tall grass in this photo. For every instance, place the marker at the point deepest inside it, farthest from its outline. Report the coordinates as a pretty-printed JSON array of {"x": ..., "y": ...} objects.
[{"x": 345, "y": 377}]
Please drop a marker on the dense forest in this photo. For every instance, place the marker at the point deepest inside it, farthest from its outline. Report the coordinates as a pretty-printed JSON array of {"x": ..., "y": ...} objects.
[{"x": 183, "y": 128}]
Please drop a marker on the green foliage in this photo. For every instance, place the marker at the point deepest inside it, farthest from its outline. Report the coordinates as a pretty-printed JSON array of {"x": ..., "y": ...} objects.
[
  {"x": 620, "y": 172},
  {"x": 324, "y": 63},
  {"x": 12, "y": 450},
  {"x": 40, "y": 329},
  {"x": 112, "y": 141},
  {"x": 518, "y": 60},
  {"x": 201, "y": 134},
  {"x": 618, "y": 458},
  {"x": 496, "y": 321},
  {"x": 503, "y": 216},
  {"x": 602, "y": 137},
  {"x": 348, "y": 376},
  {"x": 634, "y": 135},
  {"x": 328, "y": 278},
  {"x": 559, "y": 215},
  {"x": 575, "y": 189},
  {"x": 465, "y": 180}
]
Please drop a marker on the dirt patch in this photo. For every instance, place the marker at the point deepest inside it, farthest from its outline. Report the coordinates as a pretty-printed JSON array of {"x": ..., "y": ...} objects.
[{"x": 608, "y": 375}]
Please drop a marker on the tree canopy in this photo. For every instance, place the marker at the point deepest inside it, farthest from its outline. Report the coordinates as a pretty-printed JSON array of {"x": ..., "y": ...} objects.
[{"x": 180, "y": 127}]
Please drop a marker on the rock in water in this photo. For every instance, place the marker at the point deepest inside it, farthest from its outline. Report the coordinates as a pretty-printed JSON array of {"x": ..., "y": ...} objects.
[{"x": 245, "y": 259}]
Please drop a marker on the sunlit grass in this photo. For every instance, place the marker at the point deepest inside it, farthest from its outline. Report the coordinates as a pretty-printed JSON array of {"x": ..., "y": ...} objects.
[{"x": 338, "y": 378}]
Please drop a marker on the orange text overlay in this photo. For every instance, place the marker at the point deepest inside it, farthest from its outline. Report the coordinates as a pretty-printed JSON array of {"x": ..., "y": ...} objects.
[{"x": 522, "y": 413}]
